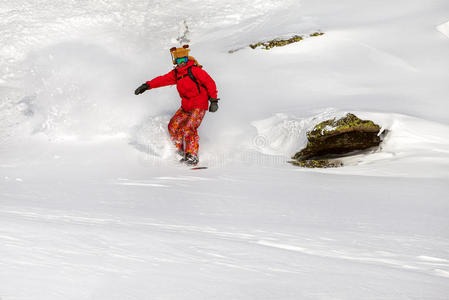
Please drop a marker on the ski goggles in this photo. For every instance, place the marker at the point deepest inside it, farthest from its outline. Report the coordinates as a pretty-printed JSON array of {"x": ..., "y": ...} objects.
[{"x": 181, "y": 60}]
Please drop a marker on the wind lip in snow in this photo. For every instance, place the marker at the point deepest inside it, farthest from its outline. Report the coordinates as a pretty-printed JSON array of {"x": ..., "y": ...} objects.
[{"x": 444, "y": 28}]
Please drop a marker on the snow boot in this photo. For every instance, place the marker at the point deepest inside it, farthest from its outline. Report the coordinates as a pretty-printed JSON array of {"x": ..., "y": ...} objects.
[{"x": 190, "y": 159}]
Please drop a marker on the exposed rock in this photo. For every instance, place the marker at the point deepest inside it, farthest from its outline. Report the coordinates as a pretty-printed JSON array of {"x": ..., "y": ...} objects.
[
  {"x": 277, "y": 43},
  {"x": 336, "y": 138},
  {"x": 267, "y": 45},
  {"x": 316, "y": 34},
  {"x": 318, "y": 163}
]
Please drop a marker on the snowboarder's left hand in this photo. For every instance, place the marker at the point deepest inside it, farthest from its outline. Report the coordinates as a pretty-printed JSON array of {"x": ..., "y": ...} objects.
[
  {"x": 213, "y": 107},
  {"x": 141, "y": 89}
]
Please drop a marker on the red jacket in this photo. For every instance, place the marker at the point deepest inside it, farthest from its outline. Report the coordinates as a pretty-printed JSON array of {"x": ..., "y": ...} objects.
[{"x": 188, "y": 90}]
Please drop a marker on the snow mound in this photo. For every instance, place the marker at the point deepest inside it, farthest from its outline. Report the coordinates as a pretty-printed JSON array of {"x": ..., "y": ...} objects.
[
  {"x": 284, "y": 134},
  {"x": 413, "y": 147},
  {"x": 444, "y": 28}
]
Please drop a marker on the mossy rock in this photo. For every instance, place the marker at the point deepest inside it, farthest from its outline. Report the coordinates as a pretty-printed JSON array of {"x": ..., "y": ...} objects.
[
  {"x": 267, "y": 45},
  {"x": 277, "y": 43},
  {"x": 316, "y": 34},
  {"x": 333, "y": 127},
  {"x": 317, "y": 163},
  {"x": 339, "y": 137}
]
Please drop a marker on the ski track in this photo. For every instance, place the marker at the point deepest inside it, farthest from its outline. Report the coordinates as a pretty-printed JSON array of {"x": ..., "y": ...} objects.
[{"x": 203, "y": 252}]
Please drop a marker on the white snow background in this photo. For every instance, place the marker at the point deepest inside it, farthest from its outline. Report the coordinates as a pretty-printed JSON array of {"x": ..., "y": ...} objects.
[{"x": 93, "y": 204}]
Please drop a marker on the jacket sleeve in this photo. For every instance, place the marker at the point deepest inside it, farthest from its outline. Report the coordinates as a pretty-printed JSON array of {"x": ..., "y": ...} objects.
[
  {"x": 164, "y": 80},
  {"x": 207, "y": 81}
]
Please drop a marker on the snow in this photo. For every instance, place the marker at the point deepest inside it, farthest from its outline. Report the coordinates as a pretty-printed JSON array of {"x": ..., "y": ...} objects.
[
  {"x": 94, "y": 206},
  {"x": 444, "y": 28}
]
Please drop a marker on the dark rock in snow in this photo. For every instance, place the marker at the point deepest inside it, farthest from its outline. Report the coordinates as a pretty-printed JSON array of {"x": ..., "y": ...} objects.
[
  {"x": 335, "y": 138},
  {"x": 317, "y": 163},
  {"x": 279, "y": 42}
]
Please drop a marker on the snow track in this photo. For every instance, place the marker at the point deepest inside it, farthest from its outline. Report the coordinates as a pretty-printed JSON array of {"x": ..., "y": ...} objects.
[
  {"x": 219, "y": 238},
  {"x": 91, "y": 242}
]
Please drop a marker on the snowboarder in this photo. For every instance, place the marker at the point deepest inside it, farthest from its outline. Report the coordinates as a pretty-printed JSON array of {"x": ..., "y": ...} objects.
[{"x": 196, "y": 89}]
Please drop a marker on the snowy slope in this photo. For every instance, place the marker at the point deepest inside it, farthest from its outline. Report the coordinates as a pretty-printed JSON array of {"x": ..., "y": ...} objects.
[{"x": 94, "y": 206}]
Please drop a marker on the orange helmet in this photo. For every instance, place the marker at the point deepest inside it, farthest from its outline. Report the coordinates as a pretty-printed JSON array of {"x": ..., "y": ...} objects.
[{"x": 182, "y": 52}]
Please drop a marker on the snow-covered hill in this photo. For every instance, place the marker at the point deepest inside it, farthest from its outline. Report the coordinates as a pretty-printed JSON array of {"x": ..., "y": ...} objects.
[{"x": 94, "y": 206}]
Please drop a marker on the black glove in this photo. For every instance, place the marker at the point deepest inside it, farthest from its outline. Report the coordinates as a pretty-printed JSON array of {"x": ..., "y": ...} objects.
[
  {"x": 142, "y": 89},
  {"x": 213, "y": 104}
]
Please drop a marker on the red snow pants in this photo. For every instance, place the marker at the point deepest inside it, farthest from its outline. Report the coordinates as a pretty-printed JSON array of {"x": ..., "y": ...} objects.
[{"x": 183, "y": 128}]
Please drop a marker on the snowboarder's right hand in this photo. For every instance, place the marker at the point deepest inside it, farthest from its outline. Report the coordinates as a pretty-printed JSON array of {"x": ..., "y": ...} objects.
[{"x": 142, "y": 89}]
